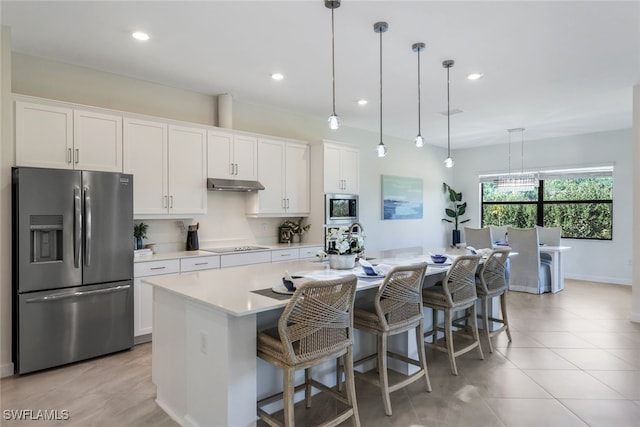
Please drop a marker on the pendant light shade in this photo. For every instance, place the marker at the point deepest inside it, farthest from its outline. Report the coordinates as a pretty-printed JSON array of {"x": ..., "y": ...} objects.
[
  {"x": 381, "y": 27},
  {"x": 334, "y": 121},
  {"x": 448, "y": 162},
  {"x": 417, "y": 47}
]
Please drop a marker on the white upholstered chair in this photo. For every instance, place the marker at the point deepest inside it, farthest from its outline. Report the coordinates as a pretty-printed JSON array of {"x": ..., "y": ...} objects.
[
  {"x": 527, "y": 272},
  {"x": 549, "y": 236},
  {"x": 478, "y": 238},
  {"x": 498, "y": 232}
]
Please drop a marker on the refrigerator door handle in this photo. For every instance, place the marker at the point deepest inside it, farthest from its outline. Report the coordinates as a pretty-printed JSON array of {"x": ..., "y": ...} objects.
[
  {"x": 87, "y": 227},
  {"x": 77, "y": 227},
  {"x": 66, "y": 295}
]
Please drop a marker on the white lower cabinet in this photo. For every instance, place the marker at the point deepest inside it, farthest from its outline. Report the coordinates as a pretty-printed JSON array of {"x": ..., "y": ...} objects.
[
  {"x": 309, "y": 251},
  {"x": 279, "y": 255},
  {"x": 199, "y": 263},
  {"x": 247, "y": 258},
  {"x": 143, "y": 294}
]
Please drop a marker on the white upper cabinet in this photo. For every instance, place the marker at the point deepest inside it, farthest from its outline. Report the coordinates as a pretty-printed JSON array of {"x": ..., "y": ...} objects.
[
  {"x": 146, "y": 150},
  {"x": 341, "y": 168},
  {"x": 97, "y": 141},
  {"x": 187, "y": 170},
  {"x": 232, "y": 156},
  {"x": 168, "y": 164},
  {"x": 55, "y": 136},
  {"x": 283, "y": 169}
]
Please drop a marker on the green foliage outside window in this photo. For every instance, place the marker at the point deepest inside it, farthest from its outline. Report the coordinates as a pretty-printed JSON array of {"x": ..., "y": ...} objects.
[{"x": 583, "y": 207}]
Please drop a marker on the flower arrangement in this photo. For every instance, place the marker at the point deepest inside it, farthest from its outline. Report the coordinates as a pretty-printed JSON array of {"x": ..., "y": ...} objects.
[
  {"x": 342, "y": 242},
  {"x": 296, "y": 226}
]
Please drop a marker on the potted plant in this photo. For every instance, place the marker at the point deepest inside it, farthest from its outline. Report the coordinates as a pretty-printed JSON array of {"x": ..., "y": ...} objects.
[
  {"x": 140, "y": 232},
  {"x": 455, "y": 211},
  {"x": 297, "y": 229},
  {"x": 343, "y": 248}
]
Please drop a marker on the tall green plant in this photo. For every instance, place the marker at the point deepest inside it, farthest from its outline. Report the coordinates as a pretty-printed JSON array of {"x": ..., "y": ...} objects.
[{"x": 457, "y": 208}]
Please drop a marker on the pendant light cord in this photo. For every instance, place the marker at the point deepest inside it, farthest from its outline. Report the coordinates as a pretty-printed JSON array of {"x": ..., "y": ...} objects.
[
  {"x": 333, "y": 62},
  {"x": 448, "y": 118},
  {"x": 419, "y": 128},
  {"x": 381, "y": 86}
]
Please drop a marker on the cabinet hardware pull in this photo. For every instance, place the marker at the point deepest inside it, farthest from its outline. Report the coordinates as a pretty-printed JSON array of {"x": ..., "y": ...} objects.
[
  {"x": 201, "y": 263},
  {"x": 77, "y": 156},
  {"x": 158, "y": 268},
  {"x": 165, "y": 203},
  {"x": 171, "y": 202},
  {"x": 236, "y": 166},
  {"x": 69, "y": 160},
  {"x": 230, "y": 168}
]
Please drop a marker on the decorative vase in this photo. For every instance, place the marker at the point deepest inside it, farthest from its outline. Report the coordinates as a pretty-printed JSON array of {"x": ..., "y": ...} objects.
[
  {"x": 296, "y": 238},
  {"x": 455, "y": 237},
  {"x": 342, "y": 261},
  {"x": 139, "y": 243}
]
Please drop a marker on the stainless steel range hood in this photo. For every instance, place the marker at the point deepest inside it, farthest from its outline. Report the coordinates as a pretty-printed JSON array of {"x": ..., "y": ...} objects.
[{"x": 217, "y": 184}]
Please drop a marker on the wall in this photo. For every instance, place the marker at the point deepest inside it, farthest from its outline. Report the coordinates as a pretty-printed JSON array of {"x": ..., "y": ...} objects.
[
  {"x": 6, "y": 161},
  {"x": 635, "y": 301},
  {"x": 615, "y": 147}
]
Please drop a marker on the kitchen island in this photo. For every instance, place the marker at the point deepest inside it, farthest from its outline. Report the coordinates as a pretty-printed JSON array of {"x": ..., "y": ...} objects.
[{"x": 204, "y": 342}]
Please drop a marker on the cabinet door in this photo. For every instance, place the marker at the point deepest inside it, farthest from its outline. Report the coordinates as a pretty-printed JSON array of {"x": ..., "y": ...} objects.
[
  {"x": 245, "y": 157},
  {"x": 219, "y": 155},
  {"x": 97, "y": 141},
  {"x": 297, "y": 178},
  {"x": 44, "y": 136},
  {"x": 271, "y": 174},
  {"x": 142, "y": 308},
  {"x": 332, "y": 177},
  {"x": 145, "y": 156},
  {"x": 350, "y": 170},
  {"x": 187, "y": 170}
]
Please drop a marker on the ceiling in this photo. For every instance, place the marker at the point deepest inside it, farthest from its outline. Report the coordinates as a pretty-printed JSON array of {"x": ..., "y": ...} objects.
[{"x": 555, "y": 68}]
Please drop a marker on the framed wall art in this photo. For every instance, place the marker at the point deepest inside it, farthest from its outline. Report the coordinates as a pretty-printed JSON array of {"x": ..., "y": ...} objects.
[{"x": 401, "y": 197}]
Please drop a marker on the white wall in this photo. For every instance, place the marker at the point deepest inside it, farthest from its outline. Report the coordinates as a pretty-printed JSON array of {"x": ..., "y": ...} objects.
[{"x": 613, "y": 257}]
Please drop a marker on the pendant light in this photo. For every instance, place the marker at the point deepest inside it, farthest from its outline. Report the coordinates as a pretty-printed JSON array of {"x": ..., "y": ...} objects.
[
  {"x": 417, "y": 47},
  {"x": 448, "y": 161},
  {"x": 381, "y": 27},
  {"x": 334, "y": 120},
  {"x": 517, "y": 181}
]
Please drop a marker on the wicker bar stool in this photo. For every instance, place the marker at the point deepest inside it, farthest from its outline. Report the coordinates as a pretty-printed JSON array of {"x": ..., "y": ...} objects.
[
  {"x": 490, "y": 283},
  {"x": 397, "y": 308},
  {"x": 457, "y": 291},
  {"x": 316, "y": 326}
]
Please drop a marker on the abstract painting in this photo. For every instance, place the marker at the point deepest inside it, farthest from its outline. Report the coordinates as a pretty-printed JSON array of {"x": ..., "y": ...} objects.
[{"x": 401, "y": 197}]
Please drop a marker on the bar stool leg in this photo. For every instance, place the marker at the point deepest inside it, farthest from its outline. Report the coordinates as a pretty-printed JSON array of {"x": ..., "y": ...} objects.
[
  {"x": 448, "y": 336},
  {"x": 421, "y": 355},
  {"x": 485, "y": 320},
  {"x": 350, "y": 385},
  {"x": 288, "y": 392},
  {"x": 382, "y": 368},
  {"x": 474, "y": 329},
  {"x": 505, "y": 319}
]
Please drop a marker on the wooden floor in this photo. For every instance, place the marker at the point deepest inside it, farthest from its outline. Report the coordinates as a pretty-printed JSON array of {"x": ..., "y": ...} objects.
[{"x": 574, "y": 361}]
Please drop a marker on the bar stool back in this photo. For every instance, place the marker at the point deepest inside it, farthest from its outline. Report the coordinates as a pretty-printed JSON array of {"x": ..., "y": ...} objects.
[
  {"x": 491, "y": 283},
  {"x": 316, "y": 326}
]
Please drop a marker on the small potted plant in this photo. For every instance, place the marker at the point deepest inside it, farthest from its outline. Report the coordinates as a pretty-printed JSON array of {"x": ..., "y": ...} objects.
[
  {"x": 296, "y": 229},
  {"x": 140, "y": 232},
  {"x": 455, "y": 211}
]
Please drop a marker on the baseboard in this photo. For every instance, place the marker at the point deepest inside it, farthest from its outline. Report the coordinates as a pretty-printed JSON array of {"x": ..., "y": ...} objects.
[
  {"x": 6, "y": 370},
  {"x": 141, "y": 339},
  {"x": 600, "y": 279}
]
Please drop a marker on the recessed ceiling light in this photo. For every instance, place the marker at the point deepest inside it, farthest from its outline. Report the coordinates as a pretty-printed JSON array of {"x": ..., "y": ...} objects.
[
  {"x": 277, "y": 76},
  {"x": 139, "y": 35},
  {"x": 475, "y": 76},
  {"x": 362, "y": 102}
]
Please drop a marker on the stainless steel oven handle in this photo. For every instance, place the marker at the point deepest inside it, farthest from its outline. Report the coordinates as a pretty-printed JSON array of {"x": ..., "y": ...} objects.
[
  {"x": 66, "y": 295},
  {"x": 77, "y": 227},
  {"x": 87, "y": 227}
]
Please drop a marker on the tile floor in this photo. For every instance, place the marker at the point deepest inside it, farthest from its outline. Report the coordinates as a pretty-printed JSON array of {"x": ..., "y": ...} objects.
[{"x": 574, "y": 361}]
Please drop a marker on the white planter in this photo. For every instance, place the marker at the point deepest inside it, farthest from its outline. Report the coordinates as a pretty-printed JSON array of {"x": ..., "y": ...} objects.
[{"x": 342, "y": 262}]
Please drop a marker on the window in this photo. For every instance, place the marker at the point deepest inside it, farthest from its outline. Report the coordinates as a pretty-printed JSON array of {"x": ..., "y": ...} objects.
[{"x": 579, "y": 200}]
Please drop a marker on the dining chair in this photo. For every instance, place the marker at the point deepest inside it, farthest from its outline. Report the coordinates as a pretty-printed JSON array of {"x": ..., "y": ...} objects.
[
  {"x": 397, "y": 308},
  {"x": 456, "y": 291},
  {"x": 499, "y": 233},
  {"x": 316, "y": 326},
  {"x": 549, "y": 236},
  {"x": 527, "y": 272},
  {"x": 490, "y": 283},
  {"x": 478, "y": 238}
]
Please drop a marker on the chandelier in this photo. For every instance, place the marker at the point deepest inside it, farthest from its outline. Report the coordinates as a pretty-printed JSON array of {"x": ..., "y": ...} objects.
[{"x": 517, "y": 181}]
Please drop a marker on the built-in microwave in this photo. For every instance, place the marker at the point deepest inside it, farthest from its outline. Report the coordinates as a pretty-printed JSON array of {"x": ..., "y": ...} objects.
[{"x": 340, "y": 209}]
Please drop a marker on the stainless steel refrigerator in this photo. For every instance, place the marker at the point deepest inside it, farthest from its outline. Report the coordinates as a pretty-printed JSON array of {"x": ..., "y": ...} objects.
[{"x": 72, "y": 266}]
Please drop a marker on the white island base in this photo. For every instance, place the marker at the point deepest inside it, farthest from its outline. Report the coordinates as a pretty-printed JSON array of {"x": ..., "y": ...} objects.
[{"x": 204, "y": 363}]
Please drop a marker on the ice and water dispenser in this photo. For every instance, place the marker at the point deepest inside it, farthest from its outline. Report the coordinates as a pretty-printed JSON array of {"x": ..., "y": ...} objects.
[{"x": 46, "y": 238}]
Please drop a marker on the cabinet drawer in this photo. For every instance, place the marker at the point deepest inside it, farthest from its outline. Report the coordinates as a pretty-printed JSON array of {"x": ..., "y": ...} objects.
[
  {"x": 232, "y": 260},
  {"x": 309, "y": 252},
  {"x": 154, "y": 268},
  {"x": 284, "y": 255},
  {"x": 199, "y": 263}
]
